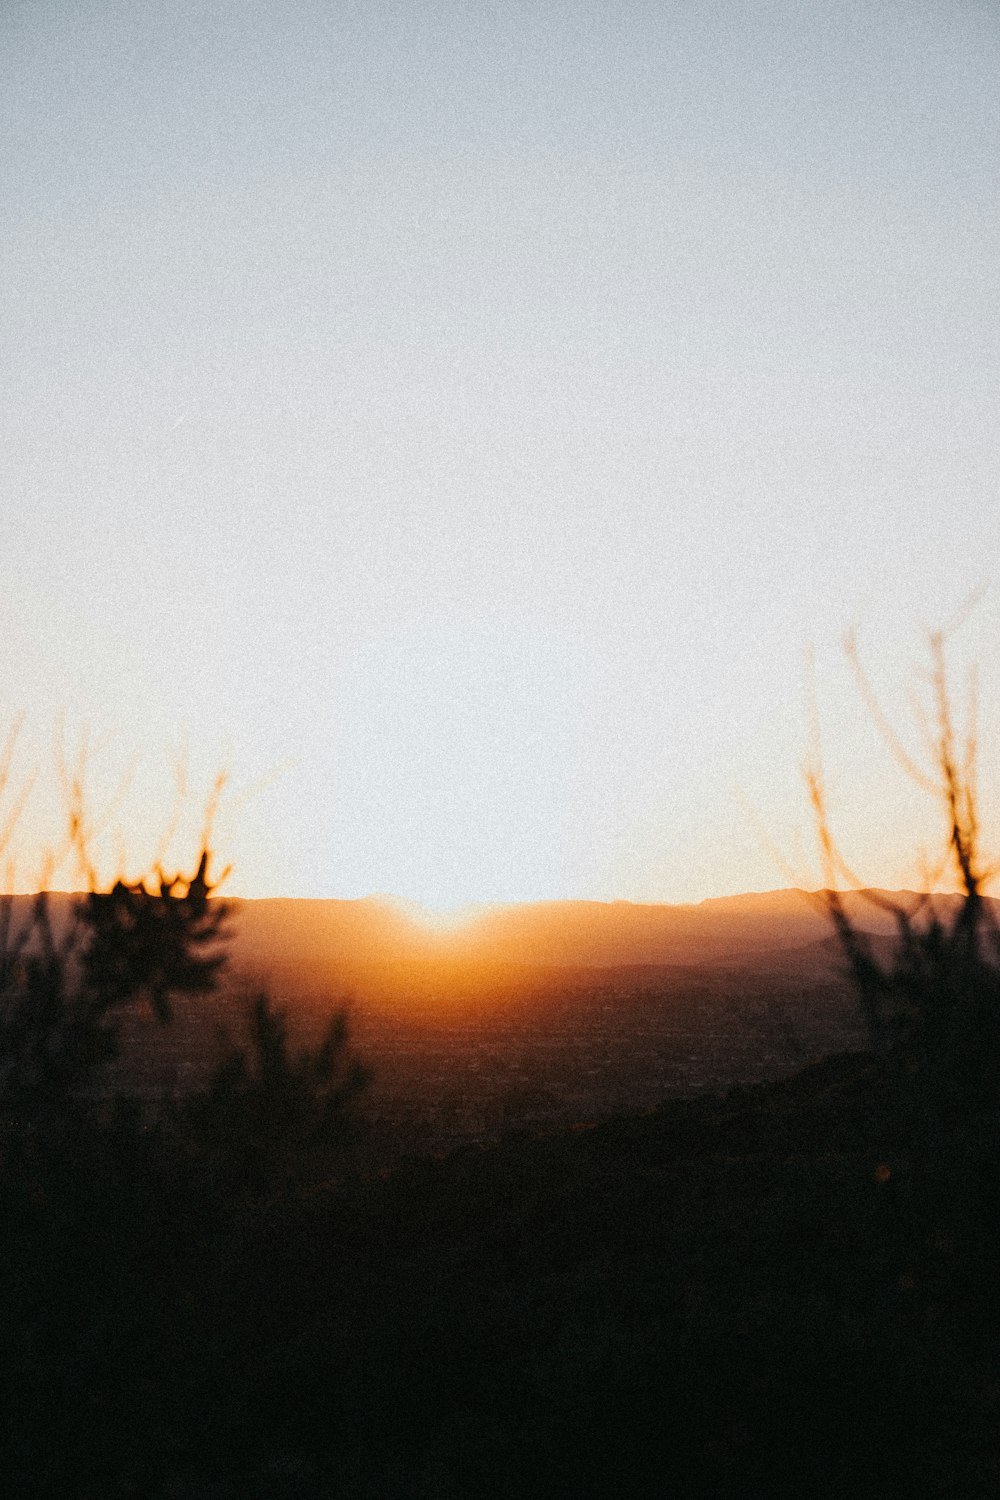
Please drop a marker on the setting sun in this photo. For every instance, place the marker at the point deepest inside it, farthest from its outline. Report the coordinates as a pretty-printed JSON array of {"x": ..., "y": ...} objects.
[{"x": 444, "y": 920}]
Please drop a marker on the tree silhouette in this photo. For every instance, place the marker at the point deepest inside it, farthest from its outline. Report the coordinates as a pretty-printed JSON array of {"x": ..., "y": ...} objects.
[
  {"x": 154, "y": 944},
  {"x": 268, "y": 1116},
  {"x": 62, "y": 993},
  {"x": 271, "y": 1116}
]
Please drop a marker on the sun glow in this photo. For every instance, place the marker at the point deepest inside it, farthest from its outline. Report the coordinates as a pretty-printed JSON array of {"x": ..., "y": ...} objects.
[{"x": 443, "y": 919}]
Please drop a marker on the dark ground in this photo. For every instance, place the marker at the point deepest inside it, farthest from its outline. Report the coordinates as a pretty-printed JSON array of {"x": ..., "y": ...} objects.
[{"x": 740, "y": 1295}]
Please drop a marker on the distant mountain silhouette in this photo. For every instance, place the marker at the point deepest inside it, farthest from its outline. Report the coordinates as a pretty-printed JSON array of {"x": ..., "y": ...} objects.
[
  {"x": 326, "y": 944},
  {"x": 349, "y": 935}
]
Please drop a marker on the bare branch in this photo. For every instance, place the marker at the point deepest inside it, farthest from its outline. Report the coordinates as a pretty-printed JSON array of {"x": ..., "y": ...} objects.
[
  {"x": 173, "y": 822},
  {"x": 882, "y": 722},
  {"x": 7, "y": 754},
  {"x": 968, "y": 607}
]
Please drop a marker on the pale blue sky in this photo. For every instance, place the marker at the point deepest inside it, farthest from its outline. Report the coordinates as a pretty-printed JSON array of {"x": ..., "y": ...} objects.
[{"x": 475, "y": 411}]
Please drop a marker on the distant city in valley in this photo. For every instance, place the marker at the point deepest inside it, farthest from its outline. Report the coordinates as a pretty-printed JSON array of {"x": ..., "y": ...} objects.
[{"x": 537, "y": 1016}]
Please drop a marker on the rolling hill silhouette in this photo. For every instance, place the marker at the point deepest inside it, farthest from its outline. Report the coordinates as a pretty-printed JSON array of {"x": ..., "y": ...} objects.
[
  {"x": 351, "y": 941},
  {"x": 307, "y": 946}
]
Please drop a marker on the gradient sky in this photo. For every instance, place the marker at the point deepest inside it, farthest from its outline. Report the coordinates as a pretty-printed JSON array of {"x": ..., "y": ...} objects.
[{"x": 471, "y": 413}]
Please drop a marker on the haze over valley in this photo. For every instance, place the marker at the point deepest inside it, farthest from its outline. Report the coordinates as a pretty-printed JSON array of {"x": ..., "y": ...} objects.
[{"x": 535, "y": 1016}]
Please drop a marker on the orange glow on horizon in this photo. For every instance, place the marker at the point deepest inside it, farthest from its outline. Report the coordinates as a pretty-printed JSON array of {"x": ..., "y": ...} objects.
[{"x": 435, "y": 918}]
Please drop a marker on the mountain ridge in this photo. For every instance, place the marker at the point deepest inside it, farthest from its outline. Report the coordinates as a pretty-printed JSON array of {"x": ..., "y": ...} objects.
[{"x": 345, "y": 936}]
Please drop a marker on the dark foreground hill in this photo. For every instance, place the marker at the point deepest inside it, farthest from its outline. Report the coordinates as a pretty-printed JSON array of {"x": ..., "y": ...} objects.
[{"x": 739, "y": 1295}]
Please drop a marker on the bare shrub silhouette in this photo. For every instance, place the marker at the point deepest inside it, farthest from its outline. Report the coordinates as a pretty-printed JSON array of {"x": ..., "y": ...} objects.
[
  {"x": 141, "y": 1237},
  {"x": 62, "y": 993},
  {"x": 67, "y": 977},
  {"x": 932, "y": 1008}
]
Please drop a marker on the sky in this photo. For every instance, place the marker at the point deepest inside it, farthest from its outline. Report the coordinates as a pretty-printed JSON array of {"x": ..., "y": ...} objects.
[{"x": 462, "y": 422}]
